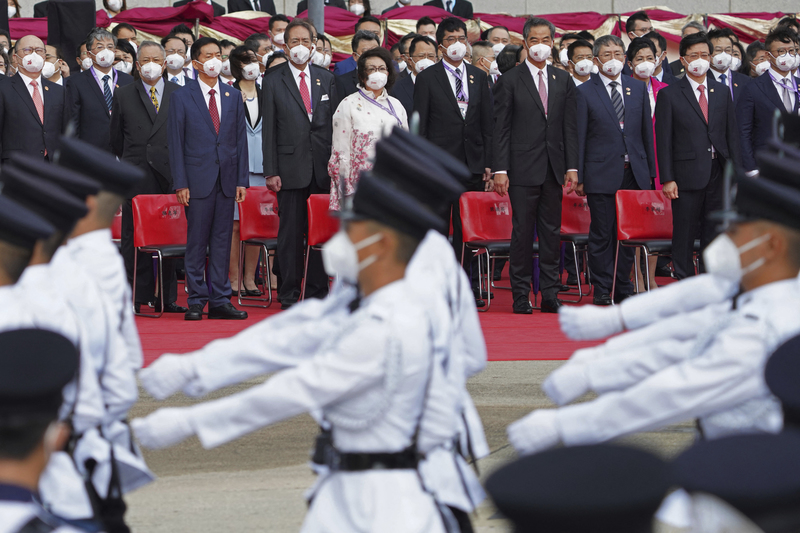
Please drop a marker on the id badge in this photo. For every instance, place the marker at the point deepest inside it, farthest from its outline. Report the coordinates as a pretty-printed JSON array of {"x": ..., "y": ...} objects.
[{"x": 463, "y": 106}]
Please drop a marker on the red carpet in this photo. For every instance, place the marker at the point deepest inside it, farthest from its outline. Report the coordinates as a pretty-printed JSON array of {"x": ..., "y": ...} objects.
[{"x": 509, "y": 337}]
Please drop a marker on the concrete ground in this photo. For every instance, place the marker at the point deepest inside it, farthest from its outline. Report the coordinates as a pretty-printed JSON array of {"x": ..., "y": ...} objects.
[{"x": 257, "y": 483}]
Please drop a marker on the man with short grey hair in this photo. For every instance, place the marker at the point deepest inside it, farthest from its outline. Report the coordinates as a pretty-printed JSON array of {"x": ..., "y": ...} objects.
[
  {"x": 139, "y": 136},
  {"x": 91, "y": 93},
  {"x": 688, "y": 29}
]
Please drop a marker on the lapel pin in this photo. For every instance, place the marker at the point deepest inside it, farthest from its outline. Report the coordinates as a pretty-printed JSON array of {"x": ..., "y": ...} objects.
[
  {"x": 116, "y": 86},
  {"x": 471, "y": 76},
  {"x": 471, "y": 81},
  {"x": 554, "y": 76},
  {"x": 318, "y": 81},
  {"x": 47, "y": 88},
  {"x": 735, "y": 84},
  {"x": 711, "y": 90},
  {"x": 227, "y": 93}
]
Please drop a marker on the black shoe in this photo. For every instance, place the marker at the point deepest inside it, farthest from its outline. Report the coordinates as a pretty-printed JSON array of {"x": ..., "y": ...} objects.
[
  {"x": 226, "y": 312},
  {"x": 173, "y": 308},
  {"x": 601, "y": 299},
  {"x": 479, "y": 303},
  {"x": 619, "y": 298},
  {"x": 481, "y": 295},
  {"x": 522, "y": 306},
  {"x": 286, "y": 305},
  {"x": 497, "y": 276},
  {"x": 563, "y": 288},
  {"x": 254, "y": 293},
  {"x": 572, "y": 280},
  {"x": 195, "y": 312},
  {"x": 234, "y": 294},
  {"x": 551, "y": 305}
]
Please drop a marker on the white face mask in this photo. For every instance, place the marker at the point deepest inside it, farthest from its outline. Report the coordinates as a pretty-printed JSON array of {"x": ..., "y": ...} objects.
[
  {"x": 48, "y": 70},
  {"x": 736, "y": 63},
  {"x": 377, "y": 81},
  {"x": 612, "y": 67},
  {"x": 595, "y": 70},
  {"x": 539, "y": 52},
  {"x": 564, "y": 57},
  {"x": 722, "y": 61},
  {"x": 105, "y": 58},
  {"x": 796, "y": 61},
  {"x": 784, "y": 62},
  {"x": 422, "y": 64},
  {"x": 497, "y": 48},
  {"x": 401, "y": 66},
  {"x": 32, "y": 63},
  {"x": 645, "y": 69},
  {"x": 123, "y": 66},
  {"x": 212, "y": 67},
  {"x": 405, "y": 2},
  {"x": 266, "y": 57},
  {"x": 174, "y": 61},
  {"x": 457, "y": 51},
  {"x": 12, "y": 11},
  {"x": 226, "y": 67},
  {"x": 278, "y": 39},
  {"x": 584, "y": 67},
  {"x": 188, "y": 60},
  {"x": 86, "y": 64},
  {"x": 698, "y": 67},
  {"x": 357, "y": 9},
  {"x": 135, "y": 47},
  {"x": 494, "y": 70},
  {"x": 300, "y": 54},
  {"x": 251, "y": 71},
  {"x": 319, "y": 59},
  {"x": 762, "y": 67},
  {"x": 151, "y": 71},
  {"x": 115, "y": 5},
  {"x": 340, "y": 256},
  {"x": 722, "y": 258}
]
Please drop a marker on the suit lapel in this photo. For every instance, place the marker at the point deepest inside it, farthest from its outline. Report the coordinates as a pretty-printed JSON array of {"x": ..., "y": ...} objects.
[
  {"x": 444, "y": 81},
  {"x": 769, "y": 89},
  {"x": 147, "y": 102},
  {"x": 686, "y": 88},
  {"x": 527, "y": 80},
  {"x": 163, "y": 108},
  {"x": 200, "y": 101},
  {"x": 288, "y": 80},
  {"x": 19, "y": 86},
  {"x": 474, "y": 96},
  {"x": 602, "y": 93},
  {"x": 96, "y": 88},
  {"x": 316, "y": 90}
]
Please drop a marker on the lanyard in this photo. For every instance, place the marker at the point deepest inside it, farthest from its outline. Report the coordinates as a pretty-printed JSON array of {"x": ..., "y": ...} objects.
[
  {"x": 463, "y": 82},
  {"x": 794, "y": 82},
  {"x": 389, "y": 109}
]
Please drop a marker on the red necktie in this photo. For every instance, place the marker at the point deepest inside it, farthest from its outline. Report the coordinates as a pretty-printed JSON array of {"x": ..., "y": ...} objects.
[
  {"x": 703, "y": 101},
  {"x": 304, "y": 92},
  {"x": 37, "y": 100},
  {"x": 212, "y": 108},
  {"x": 230, "y": 83},
  {"x": 543, "y": 91}
]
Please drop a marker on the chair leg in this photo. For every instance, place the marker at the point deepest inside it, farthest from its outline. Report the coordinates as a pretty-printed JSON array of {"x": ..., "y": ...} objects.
[
  {"x": 160, "y": 287},
  {"x": 489, "y": 273},
  {"x": 646, "y": 273},
  {"x": 133, "y": 290},
  {"x": 305, "y": 274},
  {"x": 614, "y": 277},
  {"x": 159, "y": 284},
  {"x": 242, "y": 248},
  {"x": 577, "y": 271},
  {"x": 637, "y": 267}
]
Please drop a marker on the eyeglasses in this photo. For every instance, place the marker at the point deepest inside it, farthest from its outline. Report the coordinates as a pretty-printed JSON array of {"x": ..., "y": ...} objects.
[
  {"x": 99, "y": 47},
  {"x": 420, "y": 57},
  {"x": 781, "y": 51},
  {"x": 612, "y": 55},
  {"x": 294, "y": 42},
  {"x": 373, "y": 70},
  {"x": 453, "y": 38},
  {"x": 719, "y": 49},
  {"x": 26, "y": 51},
  {"x": 695, "y": 56}
]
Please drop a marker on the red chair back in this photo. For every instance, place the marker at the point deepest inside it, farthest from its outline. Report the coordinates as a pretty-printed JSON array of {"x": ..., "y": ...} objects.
[
  {"x": 116, "y": 226},
  {"x": 158, "y": 220},
  {"x": 575, "y": 216},
  {"x": 321, "y": 225},
  {"x": 643, "y": 215},
  {"x": 485, "y": 216},
  {"x": 258, "y": 214}
]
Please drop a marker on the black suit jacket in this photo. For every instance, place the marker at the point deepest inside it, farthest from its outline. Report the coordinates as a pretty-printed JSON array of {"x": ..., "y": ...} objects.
[
  {"x": 468, "y": 139},
  {"x": 346, "y": 84},
  {"x": 677, "y": 68},
  {"x": 303, "y": 5},
  {"x": 295, "y": 148},
  {"x": 668, "y": 77},
  {"x": 462, "y": 9},
  {"x": 139, "y": 135},
  {"x": 88, "y": 107},
  {"x": 267, "y": 6},
  {"x": 684, "y": 140},
  {"x": 40, "y": 10},
  {"x": 22, "y": 130},
  {"x": 218, "y": 9},
  {"x": 525, "y": 141},
  {"x": 740, "y": 81},
  {"x": 390, "y": 8},
  {"x": 403, "y": 90}
]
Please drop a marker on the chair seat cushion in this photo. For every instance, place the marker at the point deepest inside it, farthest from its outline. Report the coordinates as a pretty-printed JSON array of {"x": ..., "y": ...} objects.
[
  {"x": 270, "y": 244},
  {"x": 494, "y": 247},
  {"x": 167, "y": 250},
  {"x": 578, "y": 239},
  {"x": 656, "y": 246}
]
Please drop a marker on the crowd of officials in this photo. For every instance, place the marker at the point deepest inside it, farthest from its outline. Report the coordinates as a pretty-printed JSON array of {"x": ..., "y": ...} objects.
[{"x": 206, "y": 120}]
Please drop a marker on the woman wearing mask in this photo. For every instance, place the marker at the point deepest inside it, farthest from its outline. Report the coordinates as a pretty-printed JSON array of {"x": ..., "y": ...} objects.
[
  {"x": 124, "y": 57},
  {"x": 361, "y": 120},
  {"x": 757, "y": 59},
  {"x": 115, "y": 7},
  {"x": 13, "y": 9},
  {"x": 360, "y": 8},
  {"x": 245, "y": 69},
  {"x": 4, "y": 62},
  {"x": 738, "y": 63}
]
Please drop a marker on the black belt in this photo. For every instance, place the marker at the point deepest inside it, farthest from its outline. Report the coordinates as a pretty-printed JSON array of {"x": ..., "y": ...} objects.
[{"x": 326, "y": 454}]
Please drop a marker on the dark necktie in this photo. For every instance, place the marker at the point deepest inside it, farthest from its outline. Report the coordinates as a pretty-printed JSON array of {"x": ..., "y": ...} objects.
[
  {"x": 460, "y": 96},
  {"x": 450, "y": 5},
  {"x": 723, "y": 79},
  {"x": 212, "y": 109},
  {"x": 616, "y": 101},
  {"x": 174, "y": 79},
  {"x": 107, "y": 92}
]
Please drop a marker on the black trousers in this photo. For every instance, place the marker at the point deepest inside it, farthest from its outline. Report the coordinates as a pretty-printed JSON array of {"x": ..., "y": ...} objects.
[
  {"x": 145, "y": 290},
  {"x": 690, "y": 219},
  {"x": 293, "y": 215},
  {"x": 471, "y": 266},
  {"x": 603, "y": 242},
  {"x": 535, "y": 208}
]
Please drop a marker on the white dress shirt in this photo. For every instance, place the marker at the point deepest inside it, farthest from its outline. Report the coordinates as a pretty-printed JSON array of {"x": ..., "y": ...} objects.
[
  {"x": 179, "y": 78},
  {"x": 717, "y": 76},
  {"x": 660, "y": 75},
  {"x": 207, "y": 95},
  {"x": 59, "y": 81},
  {"x": 577, "y": 82},
  {"x": 695, "y": 85},
  {"x": 452, "y": 4},
  {"x": 296, "y": 75},
  {"x": 112, "y": 82},
  {"x": 778, "y": 75},
  {"x": 607, "y": 82},
  {"x": 38, "y": 80},
  {"x": 452, "y": 77}
]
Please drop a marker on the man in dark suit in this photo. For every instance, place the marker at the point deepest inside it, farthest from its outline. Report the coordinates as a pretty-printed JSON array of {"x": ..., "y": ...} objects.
[
  {"x": 692, "y": 27},
  {"x": 33, "y": 110},
  {"x": 218, "y": 9},
  {"x": 267, "y": 6},
  {"x": 459, "y": 8},
  {"x": 91, "y": 92},
  {"x": 40, "y": 10},
  {"x": 347, "y": 83},
  {"x": 139, "y": 136},
  {"x": 721, "y": 57},
  {"x": 297, "y": 130},
  {"x": 366, "y": 23},
  {"x": 207, "y": 136},
  {"x": 772, "y": 90},
  {"x": 455, "y": 112},
  {"x": 535, "y": 152},
  {"x": 662, "y": 73},
  {"x": 303, "y": 5},
  {"x": 696, "y": 136},
  {"x": 422, "y": 53},
  {"x": 615, "y": 152}
]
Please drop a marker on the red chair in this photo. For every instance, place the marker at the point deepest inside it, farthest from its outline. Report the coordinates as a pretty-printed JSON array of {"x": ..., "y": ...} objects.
[
  {"x": 575, "y": 222},
  {"x": 486, "y": 228},
  {"x": 258, "y": 226},
  {"x": 644, "y": 221},
  {"x": 159, "y": 228},
  {"x": 321, "y": 227},
  {"x": 116, "y": 227}
]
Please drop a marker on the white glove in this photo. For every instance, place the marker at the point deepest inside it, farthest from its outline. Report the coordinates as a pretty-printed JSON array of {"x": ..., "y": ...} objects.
[
  {"x": 566, "y": 383},
  {"x": 167, "y": 375},
  {"x": 164, "y": 428},
  {"x": 585, "y": 355},
  {"x": 590, "y": 322},
  {"x": 535, "y": 433}
]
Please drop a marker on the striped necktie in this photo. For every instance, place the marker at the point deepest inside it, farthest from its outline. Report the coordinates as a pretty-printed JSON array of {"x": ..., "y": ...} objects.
[
  {"x": 616, "y": 101},
  {"x": 107, "y": 92}
]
